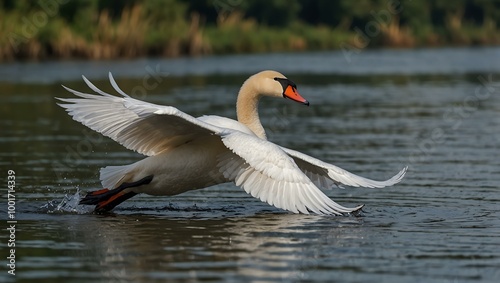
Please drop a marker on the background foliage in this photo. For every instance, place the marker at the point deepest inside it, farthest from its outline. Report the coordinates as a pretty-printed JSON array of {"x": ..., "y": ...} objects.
[{"x": 130, "y": 28}]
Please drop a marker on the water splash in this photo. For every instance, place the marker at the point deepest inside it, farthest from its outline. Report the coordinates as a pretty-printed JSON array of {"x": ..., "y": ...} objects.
[{"x": 69, "y": 204}]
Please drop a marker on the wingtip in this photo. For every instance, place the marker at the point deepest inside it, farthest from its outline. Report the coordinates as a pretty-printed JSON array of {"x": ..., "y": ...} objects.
[
  {"x": 65, "y": 106},
  {"x": 357, "y": 212},
  {"x": 66, "y": 88},
  {"x": 64, "y": 102},
  {"x": 110, "y": 76},
  {"x": 115, "y": 85},
  {"x": 88, "y": 82},
  {"x": 399, "y": 176},
  {"x": 396, "y": 179},
  {"x": 403, "y": 172}
]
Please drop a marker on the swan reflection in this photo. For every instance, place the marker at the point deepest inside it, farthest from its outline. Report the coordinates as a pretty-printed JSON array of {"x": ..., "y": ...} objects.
[{"x": 273, "y": 246}]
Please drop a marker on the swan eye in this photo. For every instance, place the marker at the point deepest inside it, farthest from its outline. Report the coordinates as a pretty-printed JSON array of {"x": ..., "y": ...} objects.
[{"x": 285, "y": 83}]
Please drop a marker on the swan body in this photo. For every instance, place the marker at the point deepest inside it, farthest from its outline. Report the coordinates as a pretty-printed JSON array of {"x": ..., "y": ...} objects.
[{"x": 187, "y": 153}]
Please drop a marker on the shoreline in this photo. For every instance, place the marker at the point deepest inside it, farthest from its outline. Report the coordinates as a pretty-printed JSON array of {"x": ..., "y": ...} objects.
[{"x": 46, "y": 57}]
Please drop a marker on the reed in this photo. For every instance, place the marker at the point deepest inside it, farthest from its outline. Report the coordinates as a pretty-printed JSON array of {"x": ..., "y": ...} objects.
[
  {"x": 394, "y": 35},
  {"x": 128, "y": 36}
]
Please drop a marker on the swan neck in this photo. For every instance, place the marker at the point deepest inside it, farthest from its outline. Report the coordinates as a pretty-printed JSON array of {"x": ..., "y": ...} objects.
[{"x": 247, "y": 109}]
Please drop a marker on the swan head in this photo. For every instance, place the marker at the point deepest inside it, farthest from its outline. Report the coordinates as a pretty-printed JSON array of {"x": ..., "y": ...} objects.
[{"x": 275, "y": 84}]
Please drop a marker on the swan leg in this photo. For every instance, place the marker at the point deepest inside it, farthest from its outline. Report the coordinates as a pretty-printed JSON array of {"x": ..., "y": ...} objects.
[{"x": 106, "y": 199}]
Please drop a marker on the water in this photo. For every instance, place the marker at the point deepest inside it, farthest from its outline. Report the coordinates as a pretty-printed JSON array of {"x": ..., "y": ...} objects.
[{"x": 428, "y": 109}]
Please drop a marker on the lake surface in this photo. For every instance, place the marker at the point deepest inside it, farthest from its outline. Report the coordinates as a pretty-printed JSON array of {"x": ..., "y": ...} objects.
[{"x": 434, "y": 110}]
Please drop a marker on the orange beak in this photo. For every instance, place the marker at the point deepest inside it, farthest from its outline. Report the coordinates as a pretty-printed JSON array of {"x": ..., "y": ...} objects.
[{"x": 291, "y": 93}]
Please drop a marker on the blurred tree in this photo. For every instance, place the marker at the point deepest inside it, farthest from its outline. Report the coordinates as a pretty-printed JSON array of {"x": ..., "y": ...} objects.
[
  {"x": 210, "y": 9},
  {"x": 279, "y": 13},
  {"x": 322, "y": 12}
]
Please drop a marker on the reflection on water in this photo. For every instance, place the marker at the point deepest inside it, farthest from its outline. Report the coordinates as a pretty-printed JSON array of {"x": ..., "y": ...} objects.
[
  {"x": 263, "y": 247},
  {"x": 441, "y": 224}
]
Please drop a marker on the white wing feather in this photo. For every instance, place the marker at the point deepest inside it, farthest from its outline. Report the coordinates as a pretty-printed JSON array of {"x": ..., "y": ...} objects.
[
  {"x": 325, "y": 175},
  {"x": 266, "y": 172},
  {"x": 140, "y": 126}
]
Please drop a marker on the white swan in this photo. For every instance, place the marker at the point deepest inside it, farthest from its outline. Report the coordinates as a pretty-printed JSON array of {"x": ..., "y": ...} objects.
[{"x": 187, "y": 153}]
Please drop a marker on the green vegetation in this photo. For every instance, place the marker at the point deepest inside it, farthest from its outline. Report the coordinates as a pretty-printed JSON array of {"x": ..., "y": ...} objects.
[{"x": 125, "y": 29}]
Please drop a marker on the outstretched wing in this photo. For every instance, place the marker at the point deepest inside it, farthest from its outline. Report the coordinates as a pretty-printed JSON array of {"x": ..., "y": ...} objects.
[
  {"x": 266, "y": 172},
  {"x": 324, "y": 175},
  {"x": 140, "y": 126}
]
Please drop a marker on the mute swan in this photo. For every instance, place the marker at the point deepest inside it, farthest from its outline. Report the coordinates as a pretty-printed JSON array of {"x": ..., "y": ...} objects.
[{"x": 187, "y": 153}]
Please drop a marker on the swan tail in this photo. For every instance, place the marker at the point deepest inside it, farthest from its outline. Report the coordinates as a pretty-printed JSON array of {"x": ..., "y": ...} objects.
[
  {"x": 111, "y": 176},
  {"x": 106, "y": 199}
]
